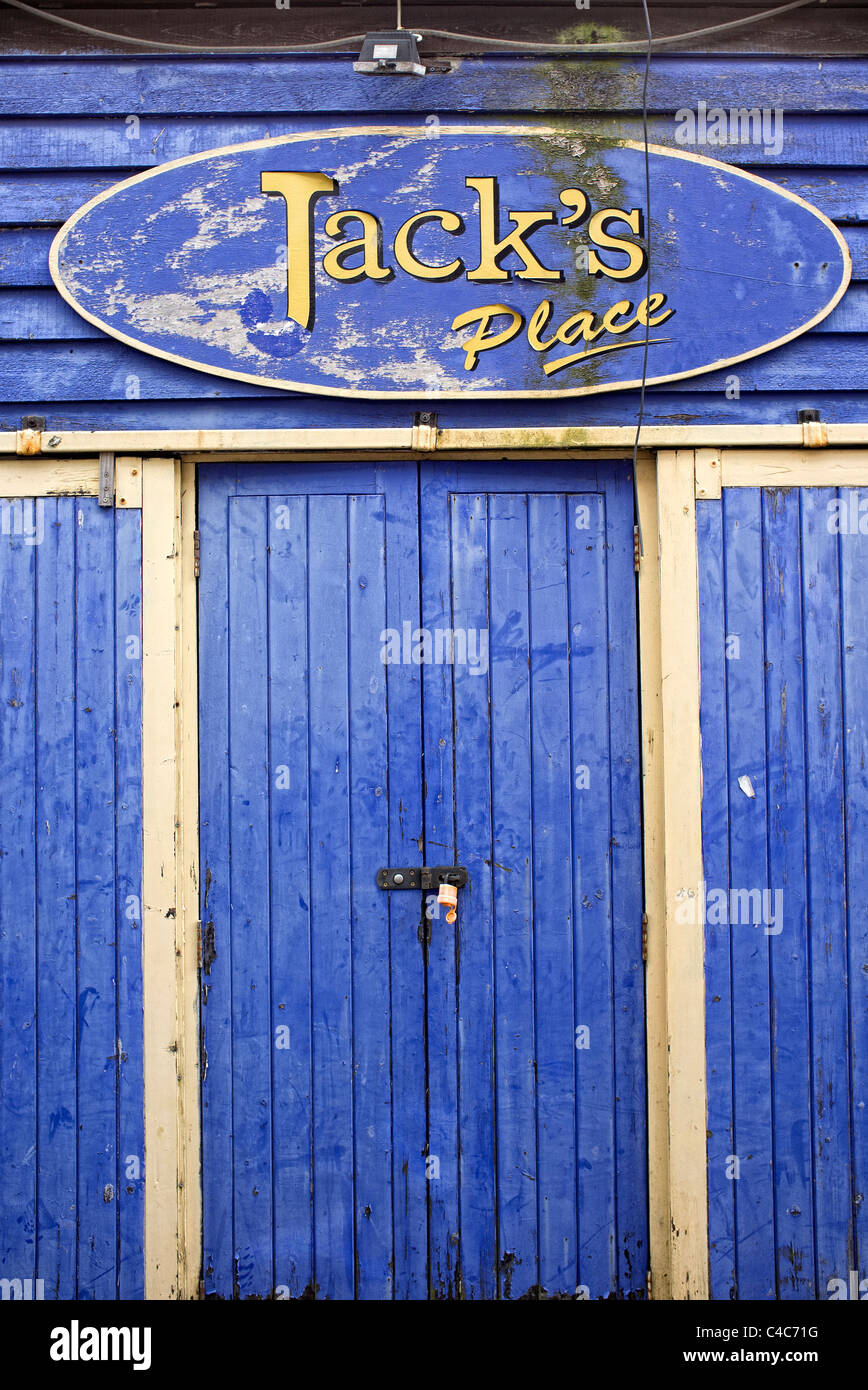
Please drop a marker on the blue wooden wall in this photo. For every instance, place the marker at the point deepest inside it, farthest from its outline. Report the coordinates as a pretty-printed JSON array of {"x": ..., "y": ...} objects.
[
  {"x": 784, "y": 633},
  {"x": 66, "y": 132},
  {"x": 71, "y": 1104}
]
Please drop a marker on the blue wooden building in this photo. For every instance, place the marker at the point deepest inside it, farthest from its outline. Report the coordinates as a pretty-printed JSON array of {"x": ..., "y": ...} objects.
[{"x": 258, "y": 645}]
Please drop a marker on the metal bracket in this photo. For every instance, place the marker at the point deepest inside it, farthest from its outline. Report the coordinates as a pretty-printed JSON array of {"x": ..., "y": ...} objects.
[
  {"x": 815, "y": 434},
  {"x": 106, "y": 480},
  {"x": 424, "y": 438},
  {"x": 426, "y": 879},
  {"x": 28, "y": 439}
]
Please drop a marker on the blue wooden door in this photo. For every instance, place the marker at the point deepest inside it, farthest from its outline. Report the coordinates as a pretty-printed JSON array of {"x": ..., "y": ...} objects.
[
  {"x": 403, "y": 665},
  {"x": 784, "y": 749},
  {"x": 71, "y": 1070}
]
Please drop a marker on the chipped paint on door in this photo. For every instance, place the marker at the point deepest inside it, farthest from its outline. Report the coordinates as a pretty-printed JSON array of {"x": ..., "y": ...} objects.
[
  {"x": 71, "y": 1098},
  {"x": 785, "y": 798},
  {"x": 402, "y": 665}
]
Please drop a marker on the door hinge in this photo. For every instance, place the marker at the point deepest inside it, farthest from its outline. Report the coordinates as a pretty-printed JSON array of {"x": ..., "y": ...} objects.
[
  {"x": 196, "y": 554},
  {"x": 645, "y": 939},
  {"x": 637, "y": 548},
  {"x": 648, "y": 1292}
]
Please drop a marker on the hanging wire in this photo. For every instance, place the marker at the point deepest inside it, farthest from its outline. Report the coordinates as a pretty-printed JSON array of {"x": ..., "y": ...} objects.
[
  {"x": 628, "y": 45},
  {"x": 648, "y": 272},
  {"x": 354, "y": 40}
]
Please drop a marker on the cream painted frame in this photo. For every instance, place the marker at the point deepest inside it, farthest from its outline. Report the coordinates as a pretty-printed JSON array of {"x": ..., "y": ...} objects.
[
  {"x": 672, "y": 807},
  {"x": 667, "y": 487},
  {"x": 164, "y": 490},
  {"x": 170, "y": 881}
]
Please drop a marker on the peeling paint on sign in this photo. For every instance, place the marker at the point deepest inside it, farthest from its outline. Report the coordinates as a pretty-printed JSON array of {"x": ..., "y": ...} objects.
[{"x": 490, "y": 260}]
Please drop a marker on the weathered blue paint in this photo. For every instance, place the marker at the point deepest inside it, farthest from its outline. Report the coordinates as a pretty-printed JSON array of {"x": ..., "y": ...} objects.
[
  {"x": 783, "y": 693},
  {"x": 72, "y": 1131},
  {"x": 71, "y": 140},
  {"x": 205, "y": 279},
  {"x": 393, "y": 1107}
]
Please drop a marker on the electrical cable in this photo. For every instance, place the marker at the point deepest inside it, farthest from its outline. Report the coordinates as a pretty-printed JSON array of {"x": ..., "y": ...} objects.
[
  {"x": 639, "y": 417},
  {"x": 628, "y": 45},
  {"x": 354, "y": 40}
]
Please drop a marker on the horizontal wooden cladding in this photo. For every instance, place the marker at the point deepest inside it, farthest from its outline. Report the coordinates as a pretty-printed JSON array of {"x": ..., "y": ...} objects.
[
  {"x": 682, "y": 415},
  {"x": 24, "y": 258},
  {"x": 46, "y": 197},
  {"x": 108, "y": 371},
  {"x": 835, "y": 28},
  {"x": 326, "y": 84},
  {"x": 39, "y": 314},
  {"x": 54, "y": 362},
  {"x": 95, "y": 142}
]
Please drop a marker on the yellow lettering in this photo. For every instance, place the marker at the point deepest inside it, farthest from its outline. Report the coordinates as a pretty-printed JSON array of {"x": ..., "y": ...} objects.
[
  {"x": 578, "y": 326},
  {"x": 577, "y": 200},
  {"x": 621, "y": 310},
  {"x": 450, "y": 222},
  {"x": 492, "y": 248},
  {"x": 482, "y": 340},
  {"x": 298, "y": 191},
  {"x": 369, "y": 243},
  {"x": 541, "y": 315},
  {"x": 598, "y": 234},
  {"x": 649, "y": 306}
]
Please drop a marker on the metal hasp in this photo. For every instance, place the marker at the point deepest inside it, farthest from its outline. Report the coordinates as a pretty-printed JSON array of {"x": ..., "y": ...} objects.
[
  {"x": 426, "y": 879},
  {"x": 106, "y": 480}
]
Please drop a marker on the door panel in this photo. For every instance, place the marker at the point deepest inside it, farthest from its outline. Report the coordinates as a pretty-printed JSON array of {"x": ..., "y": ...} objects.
[
  {"x": 547, "y": 1135},
  {"x": 409, "y": 1109},
  {"x": 304, "y": 951},
  {"x": 784, "y": 651},
  {"x": 71, "y": 1079}
]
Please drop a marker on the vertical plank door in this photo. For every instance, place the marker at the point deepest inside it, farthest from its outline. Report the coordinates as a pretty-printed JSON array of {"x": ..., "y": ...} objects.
[
  {"x": 399, "y": 667},
  {"x": 71, "y": 1077}
]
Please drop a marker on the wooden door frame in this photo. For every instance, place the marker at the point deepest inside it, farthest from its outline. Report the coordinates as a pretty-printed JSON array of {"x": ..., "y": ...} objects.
[
  {"x": 690, "y": 464},
  {"x": 170, "y": 940},
  {"x": 672, "y": 806},
  {"x": 668, "y": 484}
]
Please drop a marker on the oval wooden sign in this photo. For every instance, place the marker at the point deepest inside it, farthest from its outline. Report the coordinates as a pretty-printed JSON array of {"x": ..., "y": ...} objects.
[{"x": 446, "y": 260}]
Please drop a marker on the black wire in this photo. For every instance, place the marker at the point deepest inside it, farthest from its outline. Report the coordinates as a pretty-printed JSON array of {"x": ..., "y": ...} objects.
[
  {"x": 648, "y": 52},
  {"x": 342, "y": 44}
]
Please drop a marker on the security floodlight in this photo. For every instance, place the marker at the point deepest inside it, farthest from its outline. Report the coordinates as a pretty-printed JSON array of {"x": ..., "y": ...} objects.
[{"x": 393, "y": 50}]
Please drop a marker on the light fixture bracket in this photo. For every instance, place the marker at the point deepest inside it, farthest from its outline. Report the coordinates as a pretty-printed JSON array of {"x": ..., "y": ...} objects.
[{"x": 390, "y": 51}]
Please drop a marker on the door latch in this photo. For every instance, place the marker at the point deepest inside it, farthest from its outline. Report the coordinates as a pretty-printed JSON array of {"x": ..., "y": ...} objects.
[
  {"x": 445, "y": 878},
  {"x": 427, "y": 879}
]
